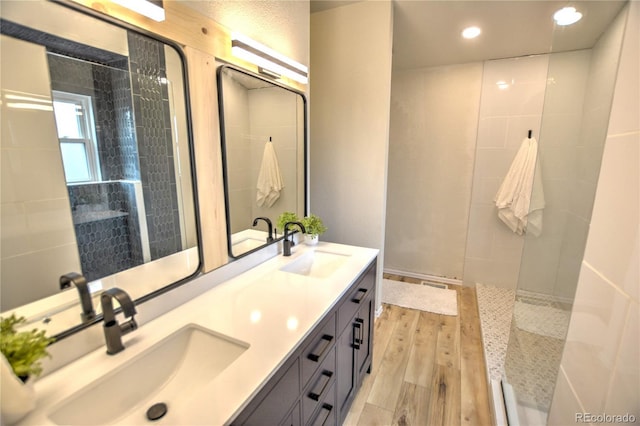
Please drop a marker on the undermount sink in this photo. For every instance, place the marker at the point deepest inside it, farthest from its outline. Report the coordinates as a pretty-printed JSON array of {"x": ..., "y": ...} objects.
[
  {"x": 317, "y": 263},
  {"x": 168, "y": 372},
  {"x": 247, "y": 244}
]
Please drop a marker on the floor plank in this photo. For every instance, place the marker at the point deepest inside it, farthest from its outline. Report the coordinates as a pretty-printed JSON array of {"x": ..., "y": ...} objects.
[
  {"x": 428, "y": 369},
  {"x": 386, "y": 387},
  {"x": 474, "y": 389},
  {"x": 375, "y": 416},
  {"x": 413, "y": 404},
  {"x": 423, "y": 351}
]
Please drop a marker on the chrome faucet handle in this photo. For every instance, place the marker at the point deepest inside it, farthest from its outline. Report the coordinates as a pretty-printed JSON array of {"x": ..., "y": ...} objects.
[{"x": 80, "y": 282}]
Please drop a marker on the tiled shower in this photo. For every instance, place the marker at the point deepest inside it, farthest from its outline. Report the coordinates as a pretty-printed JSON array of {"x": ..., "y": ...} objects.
[{"x": 116, "y": 226}]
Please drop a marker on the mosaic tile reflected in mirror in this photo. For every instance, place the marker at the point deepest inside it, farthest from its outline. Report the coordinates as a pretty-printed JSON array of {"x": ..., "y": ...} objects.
[{"x": 96, "y": 163}]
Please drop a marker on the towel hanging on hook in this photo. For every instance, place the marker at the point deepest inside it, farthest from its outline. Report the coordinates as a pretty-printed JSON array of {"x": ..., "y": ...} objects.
[{"x": 270, "y": 181}]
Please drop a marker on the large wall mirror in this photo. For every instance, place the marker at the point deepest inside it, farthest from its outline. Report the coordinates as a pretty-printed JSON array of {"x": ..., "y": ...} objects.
[
  {"x": 263, "y": 143},
  {"x": 96, "y": 162}
]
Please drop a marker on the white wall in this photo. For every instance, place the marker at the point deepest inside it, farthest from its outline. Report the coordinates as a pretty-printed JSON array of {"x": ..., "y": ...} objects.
[
  {"x": 37, "y": 228},
  {"x": 350, "y": 88},
  {"x": 434, "y": 121},
  {"x": 599, "y": 372},
  {"x": 506, "y": 115}
]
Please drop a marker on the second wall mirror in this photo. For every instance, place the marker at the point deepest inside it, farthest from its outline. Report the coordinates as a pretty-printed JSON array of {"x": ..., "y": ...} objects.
[{"x": 263, "y": 132}]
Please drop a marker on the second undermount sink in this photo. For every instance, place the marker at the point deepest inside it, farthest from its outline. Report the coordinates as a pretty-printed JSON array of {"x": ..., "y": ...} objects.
[
  {"x": 247, "y": 244},
  {"x": 317, "y": 263},
  {"x": 168, "y": 372}
]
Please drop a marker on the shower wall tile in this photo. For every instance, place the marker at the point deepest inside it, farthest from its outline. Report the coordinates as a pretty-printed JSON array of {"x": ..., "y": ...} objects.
[
  {"x": 624, "y": 393},
  {"x": 32, "y": 184},
  {"x": 492, "y": 250},
  {"x": 615, "y": 219},
  {"x": 48, "y": 221},
  {"x": 602, "y": 353},
  {"x": 564, "y": 397},
  {"x": 150, "y": 103},
  {"x": 597, "y": 320}
]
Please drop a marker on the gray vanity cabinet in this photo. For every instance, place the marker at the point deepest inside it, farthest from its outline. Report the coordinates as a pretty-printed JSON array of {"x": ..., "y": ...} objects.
[{"x": 317, "y": 383}]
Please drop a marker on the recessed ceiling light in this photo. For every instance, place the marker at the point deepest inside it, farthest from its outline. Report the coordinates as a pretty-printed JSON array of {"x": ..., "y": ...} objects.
[
  {"x": 567, "y": 16},
  {"x": 471, "y": 32}
]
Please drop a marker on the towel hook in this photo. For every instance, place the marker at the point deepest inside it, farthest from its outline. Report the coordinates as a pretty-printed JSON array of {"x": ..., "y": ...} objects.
[{"x": 530, "y": 133}]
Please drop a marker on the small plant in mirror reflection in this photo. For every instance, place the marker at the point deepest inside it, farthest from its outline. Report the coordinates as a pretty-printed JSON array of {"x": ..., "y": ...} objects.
[
  {"x": 286, "y": 217},
  {"x": 23, "y": 349},
  {"x": 313, "y": 225}
]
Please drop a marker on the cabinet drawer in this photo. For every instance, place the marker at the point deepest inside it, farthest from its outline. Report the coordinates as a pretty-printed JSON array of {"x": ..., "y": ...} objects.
[
  {"x": 326, "y": 414},
  {"x": 318, "y": 346},
  {"x": 356, "y": 295},
  {"x": 275, "y": 402},
  {"x": 319, "y": 386}
]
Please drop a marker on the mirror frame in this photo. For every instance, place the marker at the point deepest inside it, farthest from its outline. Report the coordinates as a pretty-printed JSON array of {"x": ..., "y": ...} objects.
[
  {"x": 78, "y": 8},
  {"x": 223, "y": 144}
]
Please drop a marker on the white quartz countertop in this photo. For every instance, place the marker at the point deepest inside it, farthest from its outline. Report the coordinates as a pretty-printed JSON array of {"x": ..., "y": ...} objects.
[{"x": 269, "y": 309}]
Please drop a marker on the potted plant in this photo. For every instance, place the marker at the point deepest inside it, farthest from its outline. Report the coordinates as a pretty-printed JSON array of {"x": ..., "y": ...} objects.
[
  {"x": 286, "y": 217},
  {"x": 21, "y": 355},
  {"x": 313, "y": 228}
]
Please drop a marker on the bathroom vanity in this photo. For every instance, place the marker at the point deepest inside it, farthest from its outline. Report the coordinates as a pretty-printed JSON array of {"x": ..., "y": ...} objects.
[{"x": 286, "y": 342}]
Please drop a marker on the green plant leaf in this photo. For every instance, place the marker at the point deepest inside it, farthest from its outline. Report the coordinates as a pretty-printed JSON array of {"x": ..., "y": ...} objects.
[
  {"x": 23, "y": 349},
  {"x": 286, "y": 217}
]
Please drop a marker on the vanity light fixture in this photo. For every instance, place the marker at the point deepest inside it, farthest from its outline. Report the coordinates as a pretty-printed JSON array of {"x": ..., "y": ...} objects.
[
  {"x": 150, "y": 8},
  {"x": 270, "y": 61},
  {"x": 471, "y": 32},
  {"x": 567, "y": 16}
]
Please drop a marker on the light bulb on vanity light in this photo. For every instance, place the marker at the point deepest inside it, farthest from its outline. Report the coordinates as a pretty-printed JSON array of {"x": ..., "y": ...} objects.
[
  {"x": 150, "y": 8},
  {"x": 268, "y": 59}
]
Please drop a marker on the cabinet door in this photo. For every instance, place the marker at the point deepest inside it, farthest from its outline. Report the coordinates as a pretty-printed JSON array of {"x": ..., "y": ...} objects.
[
  {"x": 346, "y": 378},
  {"x": 364, "y": 338}
]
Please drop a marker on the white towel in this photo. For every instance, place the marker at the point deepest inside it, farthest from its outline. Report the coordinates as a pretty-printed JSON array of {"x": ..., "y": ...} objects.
[
  {"x": 520, "y": 199},
  {"x": 269, "y": 179}
]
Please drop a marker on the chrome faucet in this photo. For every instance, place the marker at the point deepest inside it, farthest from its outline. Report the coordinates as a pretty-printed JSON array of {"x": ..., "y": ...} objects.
[
  {"x": 80, "y": 283},
  {"x": 268, "y": 221},
  {"x": 113, "y": 331},
  {"x": 286, "y": 244}
]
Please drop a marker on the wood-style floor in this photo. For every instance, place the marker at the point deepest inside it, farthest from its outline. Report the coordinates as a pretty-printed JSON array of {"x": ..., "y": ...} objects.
[{"x": 428, "y": 369}]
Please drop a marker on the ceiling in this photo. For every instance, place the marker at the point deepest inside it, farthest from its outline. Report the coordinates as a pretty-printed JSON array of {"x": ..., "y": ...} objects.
[{"x": 427, "y": 32}]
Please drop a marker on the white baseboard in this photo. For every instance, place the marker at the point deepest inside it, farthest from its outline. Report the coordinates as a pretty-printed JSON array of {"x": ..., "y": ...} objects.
[
  {"x": 425, "y": 277},
  {"x": 379, "y": 311}
]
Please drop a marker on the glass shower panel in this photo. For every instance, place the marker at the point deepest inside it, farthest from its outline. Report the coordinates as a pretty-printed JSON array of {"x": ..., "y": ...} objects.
[{"x": 575, "y": 117}]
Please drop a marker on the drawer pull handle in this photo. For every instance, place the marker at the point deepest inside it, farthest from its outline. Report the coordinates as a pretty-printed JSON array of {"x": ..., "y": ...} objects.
[
  {"x": 320, "y": 348},
  {"x": 357, "y": 334},
  {"x": 360, "y": 295},
  {"x": 326, "y": 375},
  {"x": 320, "y": 420}
]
